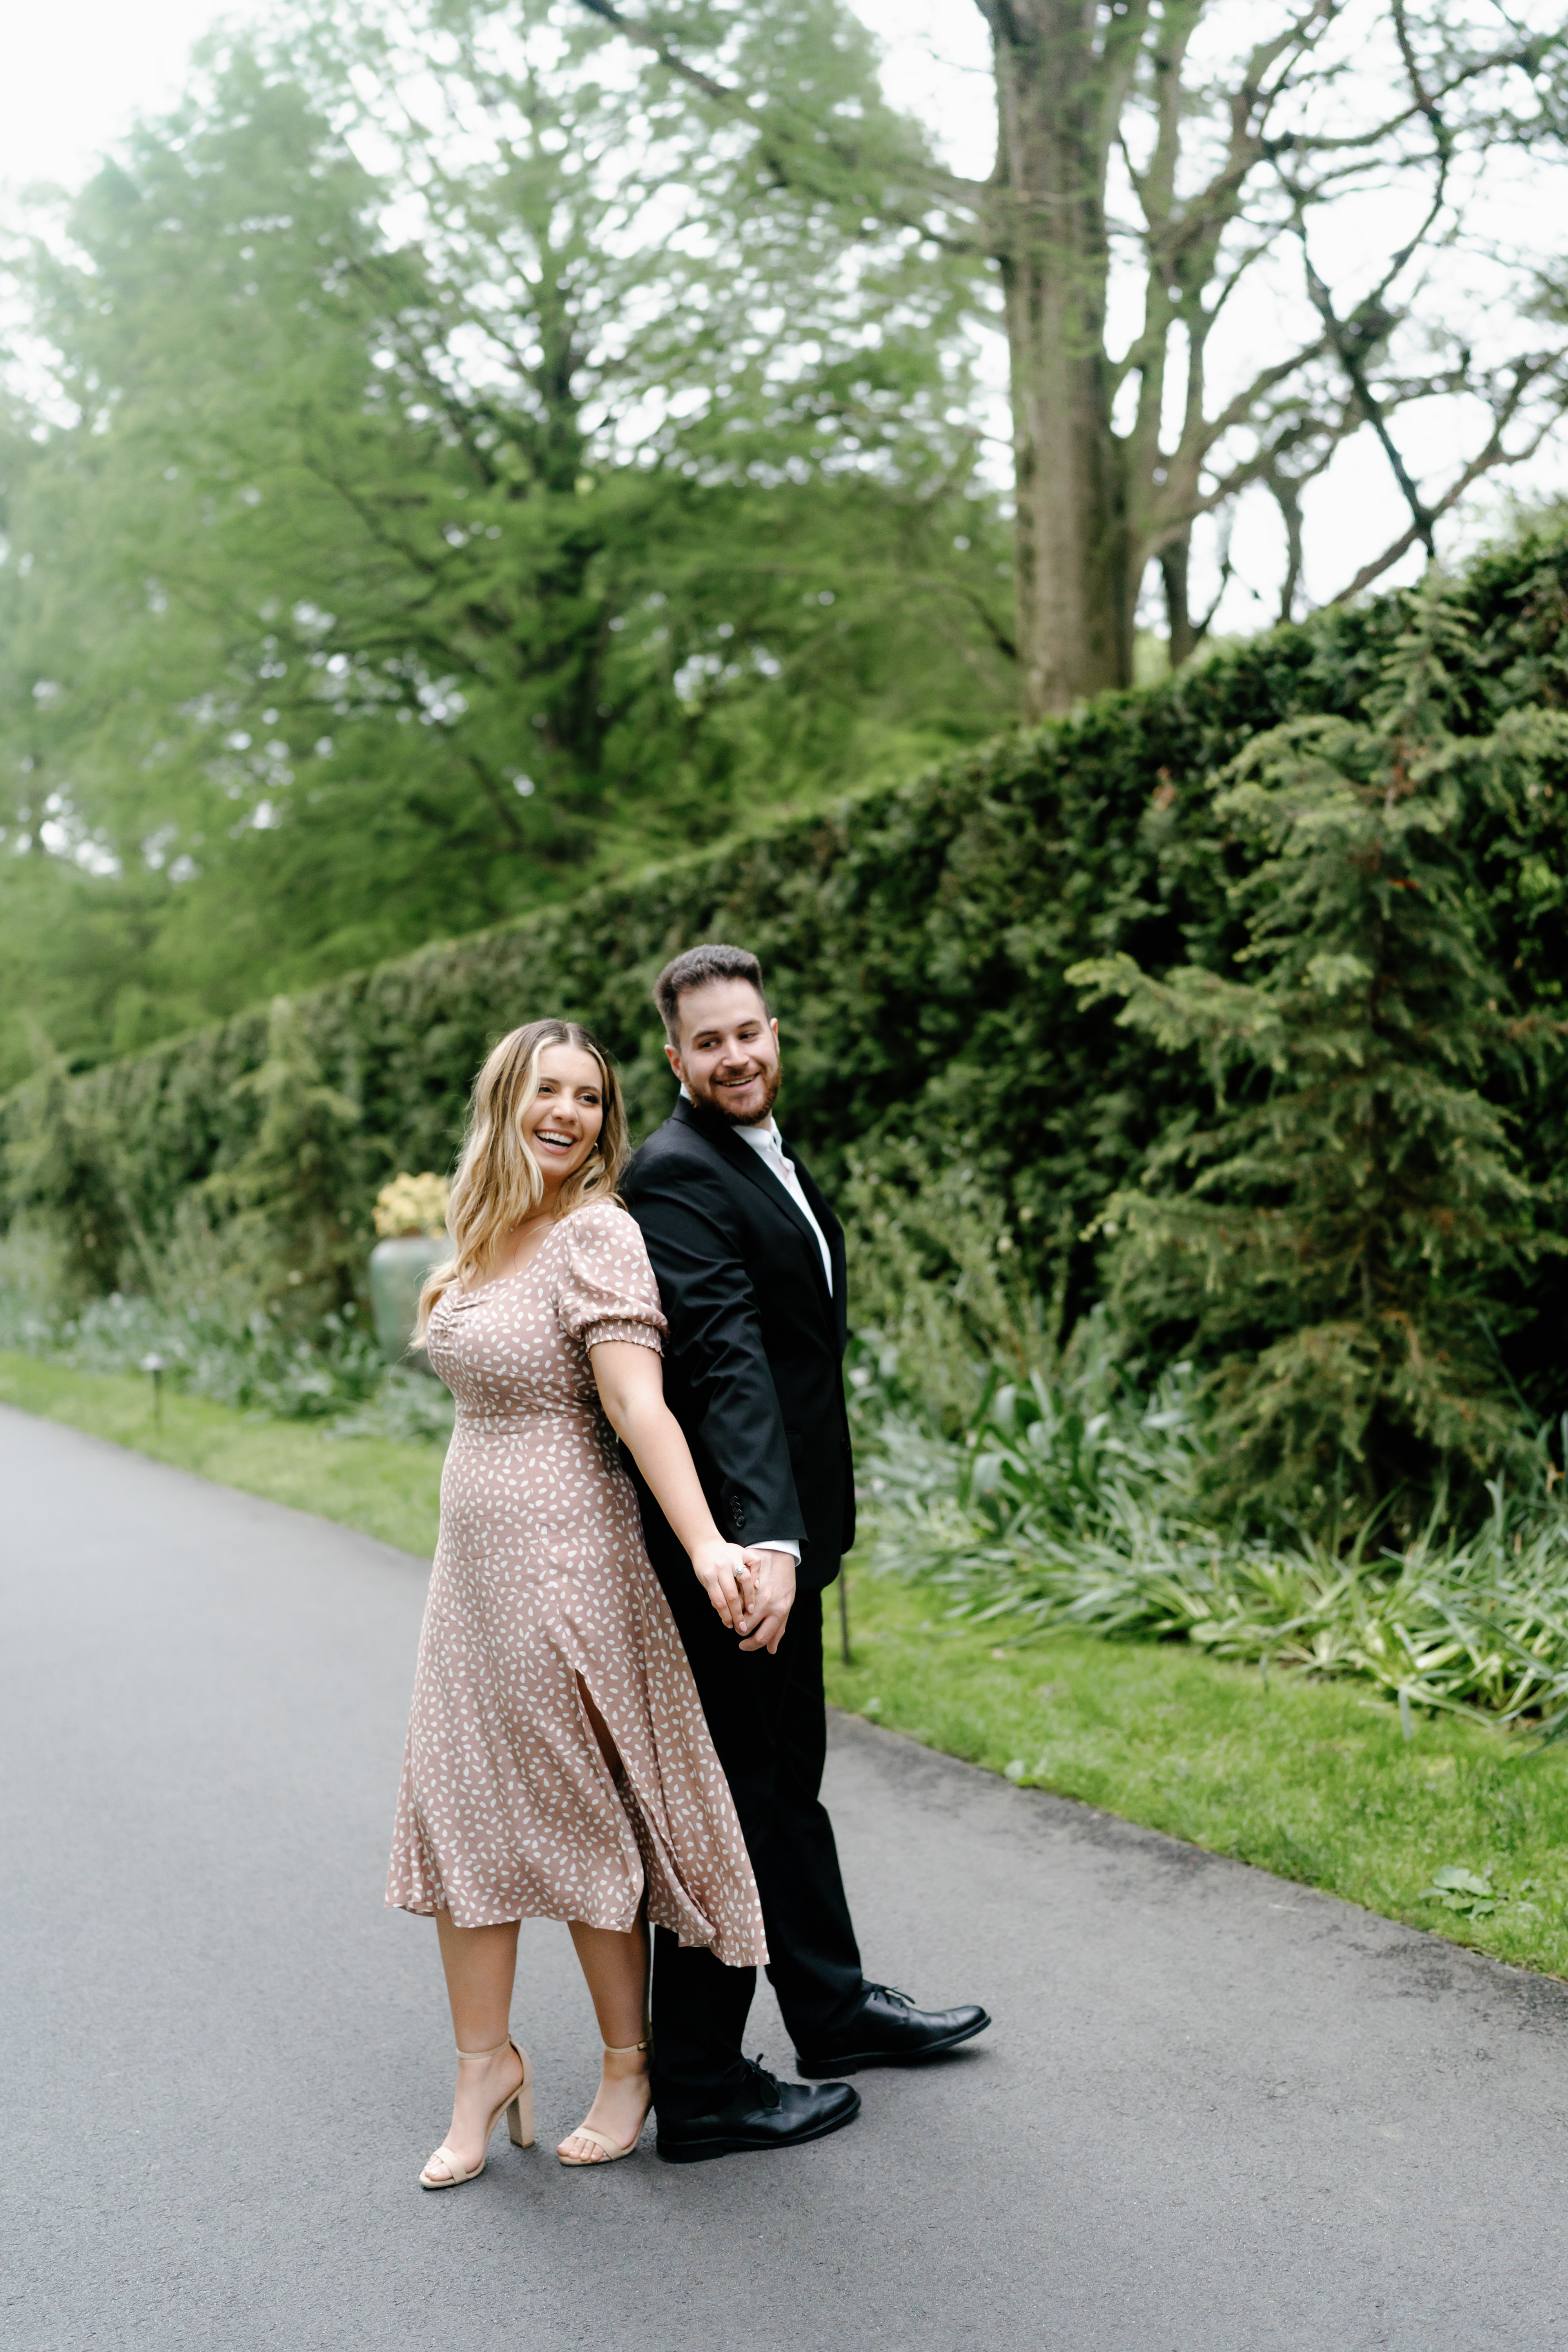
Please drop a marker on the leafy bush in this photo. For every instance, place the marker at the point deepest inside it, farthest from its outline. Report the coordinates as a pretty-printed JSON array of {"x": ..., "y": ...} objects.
[
  {"x": 406, "y": 1406},
  {"x": 916, "y": 939},
  {"x": 1073, "y": 1499},
  {"x": 918, "y": 942},
  {"x": 205, "y": 1317},
  {"x": 293, "y": 1375},
  {"x": 937, "y": 1286},
  {"x": 1075, "y": 1487},
  {"x": 1072, "y": 1455},
  {"x": 278, "y": 1198},
  {"x": 1344, "y": 1226}
]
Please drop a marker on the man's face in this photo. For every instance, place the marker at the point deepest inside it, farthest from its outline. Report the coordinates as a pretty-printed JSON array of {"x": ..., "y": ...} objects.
[{"x": 728, "y": 1051}]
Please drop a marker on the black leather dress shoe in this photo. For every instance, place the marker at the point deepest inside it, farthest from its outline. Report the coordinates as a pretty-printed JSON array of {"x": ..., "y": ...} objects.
[
  {"x": 764, "y": 2113},
  {"x": 890, "y": 2030}
]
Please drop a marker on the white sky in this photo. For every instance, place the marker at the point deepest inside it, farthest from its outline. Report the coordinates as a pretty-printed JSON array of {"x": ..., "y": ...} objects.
[
  {"x": 76, "y": 72},
  {"x": 75, "y": 75}
]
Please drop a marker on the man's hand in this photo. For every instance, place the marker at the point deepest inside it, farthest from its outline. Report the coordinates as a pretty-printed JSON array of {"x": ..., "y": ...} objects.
[
  {"x": 770, "y": 1600},
  {"x": 723, "y": 1573}
]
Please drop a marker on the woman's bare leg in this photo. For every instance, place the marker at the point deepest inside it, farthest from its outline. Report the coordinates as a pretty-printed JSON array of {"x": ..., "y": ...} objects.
[
  {"x": 615, "y": 1965},
  {"x": 480, "y": 1964}
]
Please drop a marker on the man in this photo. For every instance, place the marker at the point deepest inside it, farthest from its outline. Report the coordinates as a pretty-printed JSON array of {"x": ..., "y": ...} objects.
[{"x": 749, "y": 1261}]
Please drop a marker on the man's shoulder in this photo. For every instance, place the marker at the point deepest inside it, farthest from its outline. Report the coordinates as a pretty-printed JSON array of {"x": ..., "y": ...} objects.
[
  {"x": 671, "y": 1135},
  {"x": 676, "y": 1151}
]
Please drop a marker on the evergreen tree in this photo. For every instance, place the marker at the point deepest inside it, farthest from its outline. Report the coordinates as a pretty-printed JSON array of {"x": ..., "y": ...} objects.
[{"x": 1334, "y": 1231}]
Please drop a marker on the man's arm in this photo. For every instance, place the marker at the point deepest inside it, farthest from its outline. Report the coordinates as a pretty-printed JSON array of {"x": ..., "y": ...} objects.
[{"x": 716, "y": 1349}]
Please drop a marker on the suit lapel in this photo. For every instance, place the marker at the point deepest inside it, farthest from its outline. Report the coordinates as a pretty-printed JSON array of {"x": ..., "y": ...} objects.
[
  {"x": 833, "y": 1235},
  {"x": 748, "y": 1163}
]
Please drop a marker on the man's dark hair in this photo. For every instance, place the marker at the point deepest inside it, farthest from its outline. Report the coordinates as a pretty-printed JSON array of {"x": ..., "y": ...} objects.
[{"x": 695, "y": 969}]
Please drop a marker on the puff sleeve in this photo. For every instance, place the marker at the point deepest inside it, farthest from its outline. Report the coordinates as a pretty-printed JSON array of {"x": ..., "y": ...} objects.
[{"x": 606, "y": 1289}]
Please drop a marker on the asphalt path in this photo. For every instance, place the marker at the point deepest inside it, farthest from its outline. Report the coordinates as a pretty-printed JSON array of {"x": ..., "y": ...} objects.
[{"x": 1215, "y": 2111}]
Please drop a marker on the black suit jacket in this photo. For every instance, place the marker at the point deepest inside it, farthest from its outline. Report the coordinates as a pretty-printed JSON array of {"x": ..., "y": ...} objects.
[{"x": 752, "y": 1367}]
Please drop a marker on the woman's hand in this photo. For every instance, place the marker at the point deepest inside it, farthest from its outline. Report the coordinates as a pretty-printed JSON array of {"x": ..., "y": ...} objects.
[
  {"x": 724, "y": 1576},
  {"x": 770, "y": 1599}
]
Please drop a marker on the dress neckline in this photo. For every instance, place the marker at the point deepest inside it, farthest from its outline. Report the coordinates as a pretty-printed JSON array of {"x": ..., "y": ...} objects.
[{"x": 514, "y": 1273}]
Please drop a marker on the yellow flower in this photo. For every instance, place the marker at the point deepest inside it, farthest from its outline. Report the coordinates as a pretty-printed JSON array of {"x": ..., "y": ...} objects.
[{"x": 412, "y": 1205}]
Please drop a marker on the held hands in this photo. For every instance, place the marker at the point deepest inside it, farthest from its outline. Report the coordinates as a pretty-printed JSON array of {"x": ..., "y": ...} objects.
[
  {"x": 753, "y": 1591},
  {"x": 722, "y": 1573},
  {"x": 769, "y": 1600}
]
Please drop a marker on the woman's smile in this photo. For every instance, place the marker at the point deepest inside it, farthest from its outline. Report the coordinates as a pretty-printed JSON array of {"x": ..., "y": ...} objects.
[{"x": 561, "y": 1123}]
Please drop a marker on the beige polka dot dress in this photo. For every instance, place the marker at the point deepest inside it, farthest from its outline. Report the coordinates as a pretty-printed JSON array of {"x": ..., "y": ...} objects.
[{"x": 507, "y": 1809}]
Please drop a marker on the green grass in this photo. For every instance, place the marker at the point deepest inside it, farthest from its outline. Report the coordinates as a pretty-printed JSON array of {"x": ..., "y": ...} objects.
[
  {"x": 389, "y": 1490},
  {"x": 1314, "y": 1781}
]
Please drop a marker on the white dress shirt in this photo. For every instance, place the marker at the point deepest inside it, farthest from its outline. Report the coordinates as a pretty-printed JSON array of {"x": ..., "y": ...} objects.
[{"x": 768, "y": 1144}]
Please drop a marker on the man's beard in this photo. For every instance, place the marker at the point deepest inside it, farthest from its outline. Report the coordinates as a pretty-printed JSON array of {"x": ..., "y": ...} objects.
[{"x": 771, "y": 1080}]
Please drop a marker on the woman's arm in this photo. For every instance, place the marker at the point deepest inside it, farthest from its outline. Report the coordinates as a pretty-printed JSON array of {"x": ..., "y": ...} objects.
[
  {"x": 699, "y": 1254},
  {"x": 631, "y": 1389}
]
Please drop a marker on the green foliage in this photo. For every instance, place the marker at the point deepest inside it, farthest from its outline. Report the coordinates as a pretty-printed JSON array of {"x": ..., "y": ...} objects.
[
  {"x": 281, "y": 1201},
  {"x": 1340, "y": 1232},
  {"x": 1072, "y": 1454},
  {"x": 1075, "y": 1501},
  {"x": 205, "y": 1307},
  {"x": 399, "y": 549},
  {"x": 917, "y": 939},
  {"x": 1465, "y": 1890},
  {"x": 939, "y": 1286}
]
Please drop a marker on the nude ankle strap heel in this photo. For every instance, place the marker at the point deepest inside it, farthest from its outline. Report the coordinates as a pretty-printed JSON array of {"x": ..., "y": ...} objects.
[
  {"x": 518, "y": 2108},
  {"x": 611, "y": 2151}
]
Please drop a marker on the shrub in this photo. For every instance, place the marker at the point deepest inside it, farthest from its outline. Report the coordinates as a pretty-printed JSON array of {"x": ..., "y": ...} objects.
[
  {"x": 1073, "y": 1499},
  {"x": 1344, "y": 1227},
  {"x": 915, "y": 941},
  {"x": 203, "y": 1308}
]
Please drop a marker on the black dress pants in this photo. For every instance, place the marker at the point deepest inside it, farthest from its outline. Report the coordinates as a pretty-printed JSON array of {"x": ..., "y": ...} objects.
[{"x": 769, "y": 1724}]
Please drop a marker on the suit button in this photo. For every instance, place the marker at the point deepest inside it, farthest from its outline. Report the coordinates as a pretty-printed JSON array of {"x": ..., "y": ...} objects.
[{"x": 737, "y": 1514}]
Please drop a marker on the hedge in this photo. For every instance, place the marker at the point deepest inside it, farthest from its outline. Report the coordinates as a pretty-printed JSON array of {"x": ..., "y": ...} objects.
[{"x": 914, "y": 939}]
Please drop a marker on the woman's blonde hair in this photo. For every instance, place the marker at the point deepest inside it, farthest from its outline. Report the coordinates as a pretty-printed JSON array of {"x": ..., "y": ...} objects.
[{"x": 498, "y": 1183}]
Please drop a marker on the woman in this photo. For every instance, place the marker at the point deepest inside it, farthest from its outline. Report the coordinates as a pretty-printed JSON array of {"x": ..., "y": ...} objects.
[{"x": 558, "y": 1765}]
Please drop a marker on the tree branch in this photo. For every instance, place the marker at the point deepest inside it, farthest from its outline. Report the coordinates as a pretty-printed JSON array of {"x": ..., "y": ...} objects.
[
  {"x": 950, "y": 188},
  {"x": 1351, "y": 344},
  {"x": 1486, "y": 461},
  {"x": 646, "y": 38}
]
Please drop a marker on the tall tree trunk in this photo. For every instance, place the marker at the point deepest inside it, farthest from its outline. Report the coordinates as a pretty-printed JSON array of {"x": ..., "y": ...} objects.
[{"x": 1075, "y": 599}]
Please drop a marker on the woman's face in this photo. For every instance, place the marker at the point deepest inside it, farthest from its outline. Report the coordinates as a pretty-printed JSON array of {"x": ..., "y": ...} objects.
[{"x": 561, "y": 1123}]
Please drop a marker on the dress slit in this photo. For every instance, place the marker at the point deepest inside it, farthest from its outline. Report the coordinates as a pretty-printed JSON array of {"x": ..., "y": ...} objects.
[{"x": 659, "y": 1882}]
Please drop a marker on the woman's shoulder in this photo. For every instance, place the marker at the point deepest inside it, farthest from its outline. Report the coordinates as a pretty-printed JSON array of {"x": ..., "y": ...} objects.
[
  {"x": 605, "y": 1277},
  {"x": 603, "y": 1216},
  {"x": 602, "y": 1224}
]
